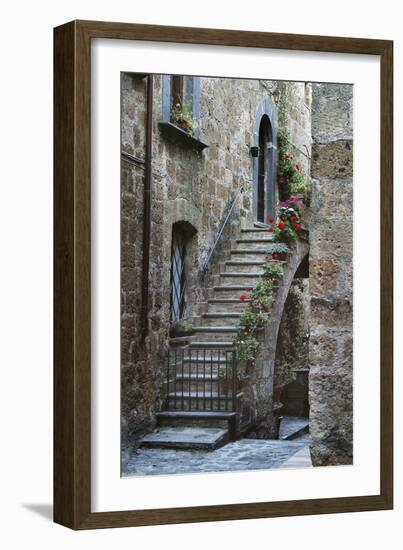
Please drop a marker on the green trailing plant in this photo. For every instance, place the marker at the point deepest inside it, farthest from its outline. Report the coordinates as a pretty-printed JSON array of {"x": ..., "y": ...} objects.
[
  {"x": 247, "y": 347},
  {"x": 181, "y": 328},
  {"x": 283, "y": 374},
  {"x": 290, "y": 174},
  {"x": 257, "y": 313},
  {"x": 273, "y": 271},
  {"x": 182, "y": 116}
]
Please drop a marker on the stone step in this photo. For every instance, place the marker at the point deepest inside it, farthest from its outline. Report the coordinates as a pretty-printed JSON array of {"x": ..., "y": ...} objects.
[
  {"x": 244, "y": 263},
  {"x": 197, "y": 384},
  {"x": 215, "y": 400},
  {"x": 256, "y": 229},
  {"x": 227, "y": 344},
  {"x": 292, "y": 427},
  {"x": 217, "y": 357},
  {"x": 246, "y": 266},
  {"x": 222, "y": 314},
  {"x": 206, "y": 365},
  {"x": 215, "y": 333},
  {"x": 215, "y": 328},
  {"x": 226, "y": 318},
  {"x": 216, "y": 305},
  {"x": 257, "y": 233},
  {"x": 248, "y": 253},
  {"x": 198, "y": 418},
  {"x": 234, "y": 278},
  {"x": 186, "y": 438},
  {"x": 231, "y": 291},
  {"x": 195, "y": 373},
  {"x": 255, "y": 240}
]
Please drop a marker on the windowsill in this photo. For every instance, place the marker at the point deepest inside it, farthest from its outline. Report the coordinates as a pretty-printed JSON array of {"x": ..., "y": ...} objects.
[{"x": 177, "y": 135}]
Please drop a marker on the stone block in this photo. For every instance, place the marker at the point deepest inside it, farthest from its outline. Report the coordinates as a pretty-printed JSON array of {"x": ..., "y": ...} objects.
[
  {"x": 323, "y": 274},
  {"x": 332, "y": 106},
  {"x": 332, "y": 160},
  {"x": 332, "y": 313},
  {"x": 322, "y": 350},
  {"x": 330, "y": 237}
]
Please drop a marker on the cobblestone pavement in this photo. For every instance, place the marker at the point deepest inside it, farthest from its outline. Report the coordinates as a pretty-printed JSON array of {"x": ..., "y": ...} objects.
[{"x": 245, "y": 454}]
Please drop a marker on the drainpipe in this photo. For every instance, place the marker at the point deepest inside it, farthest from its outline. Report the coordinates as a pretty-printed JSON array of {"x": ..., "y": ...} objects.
[{"x": 147, "y": 208}]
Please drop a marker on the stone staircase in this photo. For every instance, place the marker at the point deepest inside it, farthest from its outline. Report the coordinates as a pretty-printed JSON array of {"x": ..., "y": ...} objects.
[
  {"x": 215, "y": 330},
  {"x": 218, "y": 323}
]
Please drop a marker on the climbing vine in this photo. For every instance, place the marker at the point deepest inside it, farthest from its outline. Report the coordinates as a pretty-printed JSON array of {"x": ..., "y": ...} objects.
[
  {"x": 290, "y": 174},
  {"x": 257, "y": 312}
]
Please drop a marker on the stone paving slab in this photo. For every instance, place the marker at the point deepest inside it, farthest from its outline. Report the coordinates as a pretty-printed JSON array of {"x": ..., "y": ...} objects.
[
  {"x": 185, "y": 438},
  {"x": 244, "y": 454}
]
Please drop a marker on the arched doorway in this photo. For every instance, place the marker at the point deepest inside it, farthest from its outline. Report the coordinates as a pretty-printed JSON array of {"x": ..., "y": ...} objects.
[
  {"x": 265, "y": 205},
  {"x": 264, "y": 165}
]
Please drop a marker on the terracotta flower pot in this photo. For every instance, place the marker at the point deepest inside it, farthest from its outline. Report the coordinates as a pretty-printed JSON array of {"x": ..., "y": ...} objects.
[{"x": 182, "y": 123}]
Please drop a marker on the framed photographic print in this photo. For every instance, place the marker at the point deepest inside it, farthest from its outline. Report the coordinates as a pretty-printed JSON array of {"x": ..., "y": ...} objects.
[{"x": 223, "y": 275}]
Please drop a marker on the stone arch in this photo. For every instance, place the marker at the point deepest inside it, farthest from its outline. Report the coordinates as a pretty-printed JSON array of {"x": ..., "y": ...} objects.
[
  {"x": 261, "y": 377},
  {"x": 266, "y": 112}
]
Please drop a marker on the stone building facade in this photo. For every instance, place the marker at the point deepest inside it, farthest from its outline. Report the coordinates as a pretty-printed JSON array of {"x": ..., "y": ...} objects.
[
  {"x": 194, "y": 182},
  {"x": 331, "y": 276}
]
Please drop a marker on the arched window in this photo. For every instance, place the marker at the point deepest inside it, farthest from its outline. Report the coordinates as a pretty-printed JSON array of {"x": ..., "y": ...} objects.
[{"x": 182, "y": 234}]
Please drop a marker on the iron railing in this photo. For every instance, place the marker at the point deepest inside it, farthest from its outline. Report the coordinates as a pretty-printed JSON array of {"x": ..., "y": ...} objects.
[
  {"x": 201, "y": 379},
  {"x": 220, "y": 231}
]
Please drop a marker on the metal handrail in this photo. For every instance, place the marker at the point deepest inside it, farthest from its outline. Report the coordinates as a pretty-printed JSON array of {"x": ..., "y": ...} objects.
[{"x": 206, "y": 262}]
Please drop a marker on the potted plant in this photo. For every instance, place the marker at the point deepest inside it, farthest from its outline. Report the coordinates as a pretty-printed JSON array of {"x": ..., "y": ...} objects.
[
  {"x": 182, "y": 116},
  {"x": 181, "y": 328},
  {"x": 278, "y": 251}
]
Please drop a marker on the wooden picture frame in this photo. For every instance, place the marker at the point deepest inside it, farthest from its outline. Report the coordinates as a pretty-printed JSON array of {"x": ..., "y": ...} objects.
[{"x": 72, "y": 319}]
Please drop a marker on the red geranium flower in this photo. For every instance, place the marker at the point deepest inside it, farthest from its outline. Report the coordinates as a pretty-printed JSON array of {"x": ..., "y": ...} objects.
[
  {"x": 281, "y": 225},
  {"x": 298, "y": 227},
  {"x": 293, "y": 218},
  {"x": 243, "y": 297},
  {"x": 270, "y": 229},
  {"x": 270, "y": 220}
]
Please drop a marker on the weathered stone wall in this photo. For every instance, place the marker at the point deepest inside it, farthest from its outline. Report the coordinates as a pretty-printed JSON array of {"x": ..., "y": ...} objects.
[
  {"x": 191, "y": 186},
  {"x": 331, "y": 284},
  {"x": 295, "y": 103}
]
